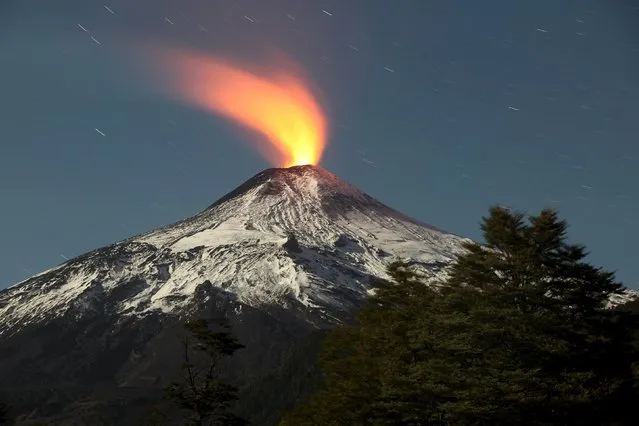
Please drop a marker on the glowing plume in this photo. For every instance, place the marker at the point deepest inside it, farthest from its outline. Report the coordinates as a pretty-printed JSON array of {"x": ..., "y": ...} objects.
[{"x": 278, "y": 105}]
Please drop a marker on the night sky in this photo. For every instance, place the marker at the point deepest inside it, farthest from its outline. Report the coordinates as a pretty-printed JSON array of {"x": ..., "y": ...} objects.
[{"x": 440, "y": 109}]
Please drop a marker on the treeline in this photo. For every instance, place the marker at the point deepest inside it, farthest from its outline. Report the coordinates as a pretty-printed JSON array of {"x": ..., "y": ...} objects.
[{"x": 519, "y": 334}]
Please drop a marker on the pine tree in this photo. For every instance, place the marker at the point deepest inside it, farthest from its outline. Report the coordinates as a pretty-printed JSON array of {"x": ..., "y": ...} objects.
[
  {"x": 539, "y": 323},
  {"x": 201, "y": 389},
  {"x": 518, "y": 334}
]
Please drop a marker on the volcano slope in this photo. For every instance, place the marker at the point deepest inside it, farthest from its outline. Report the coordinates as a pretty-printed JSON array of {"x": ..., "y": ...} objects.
[{"x": 284, "y": 256}]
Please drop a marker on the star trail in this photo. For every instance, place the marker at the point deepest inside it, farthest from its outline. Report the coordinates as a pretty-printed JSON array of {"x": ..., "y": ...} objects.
[{"x": 438, "y": 108}]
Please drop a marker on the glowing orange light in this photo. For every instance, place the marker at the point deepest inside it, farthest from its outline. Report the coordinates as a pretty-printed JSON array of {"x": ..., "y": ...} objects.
[{"x": 280, "y": 106}]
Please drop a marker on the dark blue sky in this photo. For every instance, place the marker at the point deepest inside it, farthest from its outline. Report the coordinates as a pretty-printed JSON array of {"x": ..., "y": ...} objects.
[{"x": 525, "y": 104}]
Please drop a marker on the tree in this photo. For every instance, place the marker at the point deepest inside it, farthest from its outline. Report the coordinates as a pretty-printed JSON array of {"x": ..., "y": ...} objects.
[
  {"x": 201, "y": 389},
  {"x": 518, "y": 334}
]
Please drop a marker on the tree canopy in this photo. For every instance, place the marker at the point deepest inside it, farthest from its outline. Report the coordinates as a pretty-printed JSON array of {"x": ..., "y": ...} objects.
[
  {"x": 200, "y": 390},
  {"x": 518, "y": 334}
]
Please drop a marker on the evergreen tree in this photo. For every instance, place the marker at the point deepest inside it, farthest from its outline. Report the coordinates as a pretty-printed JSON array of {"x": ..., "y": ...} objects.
[
  {"x": 201, "y": 389},
  {"x": 519, "y": 334}
]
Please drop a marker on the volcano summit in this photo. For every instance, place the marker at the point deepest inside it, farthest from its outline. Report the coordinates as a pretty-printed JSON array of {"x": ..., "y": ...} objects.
[
  {"x": 288, "y": 252},
  {"x": 298, "y": 236}
]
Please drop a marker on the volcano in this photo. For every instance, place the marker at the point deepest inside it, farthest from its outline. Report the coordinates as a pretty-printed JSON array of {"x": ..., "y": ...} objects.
[{"x": 287, "y": 254}]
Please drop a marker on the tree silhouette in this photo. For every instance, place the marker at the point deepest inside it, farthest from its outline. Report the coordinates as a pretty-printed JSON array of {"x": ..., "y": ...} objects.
[
  {"x": 200, "y": 389},
  {"x": 518, "y": 334}
]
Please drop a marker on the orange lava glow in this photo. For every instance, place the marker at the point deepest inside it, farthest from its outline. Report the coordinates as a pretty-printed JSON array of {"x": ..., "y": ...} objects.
[{"x": 278, "y": 105}]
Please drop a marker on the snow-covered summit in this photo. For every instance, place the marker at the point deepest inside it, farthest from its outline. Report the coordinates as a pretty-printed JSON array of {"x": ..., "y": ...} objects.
[
  {"x": 297, "y": 237},
  {"x": 307, "y": 201}
]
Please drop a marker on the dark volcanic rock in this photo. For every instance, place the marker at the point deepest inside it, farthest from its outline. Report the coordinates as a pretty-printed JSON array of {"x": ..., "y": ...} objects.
[{"x": 107, "y": 371}]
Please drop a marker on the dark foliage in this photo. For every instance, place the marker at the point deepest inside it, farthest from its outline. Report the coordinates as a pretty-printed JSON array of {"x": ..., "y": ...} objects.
[
  {"x": 519, "y": 334},
  {"x": 200, "y": 390}
]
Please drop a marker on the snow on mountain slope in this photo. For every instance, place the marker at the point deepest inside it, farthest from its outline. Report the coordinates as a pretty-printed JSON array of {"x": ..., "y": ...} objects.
[
  {"x": 621, "y": 299},
  {"x": 289, "y": 237}
]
